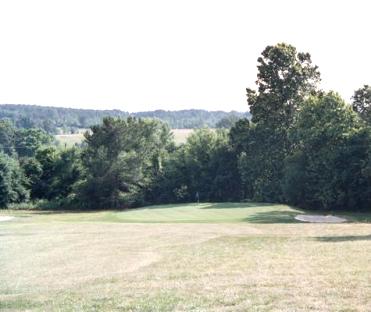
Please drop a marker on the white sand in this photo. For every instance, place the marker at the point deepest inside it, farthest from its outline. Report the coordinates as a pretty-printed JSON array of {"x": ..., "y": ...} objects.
[
  {"x": 320, "y": 219},
  {"x": 6, "y": 218}
]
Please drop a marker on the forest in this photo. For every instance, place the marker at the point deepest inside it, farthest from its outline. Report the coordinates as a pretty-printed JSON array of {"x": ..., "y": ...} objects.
[
  {"x": 302, "y": 146},
  {"x": 56, "y": 120}
]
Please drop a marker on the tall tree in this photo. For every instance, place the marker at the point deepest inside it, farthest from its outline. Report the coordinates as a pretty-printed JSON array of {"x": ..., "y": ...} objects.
[
  {"x": 13, "y": 183},
  {"x": 28, "y": 141},
  {"x": 120, "y": 161},
  {"x": 285, "y": 78},
  {"x": 362, "y": 102},
  {"x": 7, "y": 137},
  {"x": 211, "y": 166},
  {"x": 204, "y": 168},
  {"x": 328, "y": 167}
]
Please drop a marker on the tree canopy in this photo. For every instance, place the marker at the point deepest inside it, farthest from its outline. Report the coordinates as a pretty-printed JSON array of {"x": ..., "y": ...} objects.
[
  {"x": 120, "y": 160},
  {"x": 362, "y": 102},
  {"x": 302, "y": 146},
  {"x": 55, "y": 120}
]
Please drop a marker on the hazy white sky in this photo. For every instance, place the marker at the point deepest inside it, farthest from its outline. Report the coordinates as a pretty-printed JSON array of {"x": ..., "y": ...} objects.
[{"x": 144, "y": 55}]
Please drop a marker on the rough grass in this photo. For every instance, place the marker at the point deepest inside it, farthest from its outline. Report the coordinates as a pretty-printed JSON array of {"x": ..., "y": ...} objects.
[{"x": 216, "y": 257}]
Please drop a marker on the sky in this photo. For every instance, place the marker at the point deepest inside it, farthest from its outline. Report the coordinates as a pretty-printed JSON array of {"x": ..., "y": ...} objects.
[{"x": 145, "y": 55}]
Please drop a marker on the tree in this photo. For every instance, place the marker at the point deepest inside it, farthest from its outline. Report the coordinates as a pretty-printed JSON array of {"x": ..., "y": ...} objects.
[
  {"x": 7, "y": 137},
  {"x": 285, "y": 79},
  {"x": 205, "y": 165},
  {"x": 13, "y": 183},
  {"x": 362, "y": 102},
  {"x": 33, "y": 170},
  {"x": 120, "y": 161},
  {"x": 328, "y": 166},
  {"x": 54, "y": 119},
  {"x": 28, "y": 141},
  {"x": 241, "y": 137},
  {"x": 227, "y": 122},
  {"x": 26, "y": 123},
  {"x": 41, "y": 171},
  {"x": 67, "y": 173},
  {"x": 52, "y": 174},
  {"x": 226, "y": 183},
  {"x": 171, "y": 184},
  {"x": 22, "y": 142}
]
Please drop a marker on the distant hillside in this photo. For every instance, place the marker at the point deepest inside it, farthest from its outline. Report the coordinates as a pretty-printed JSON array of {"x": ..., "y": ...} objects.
[{"x": 57, "y": 119}]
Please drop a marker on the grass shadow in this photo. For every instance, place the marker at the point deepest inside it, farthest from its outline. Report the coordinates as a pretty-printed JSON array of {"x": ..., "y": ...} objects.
[
  {"x": 285, "y": 216},
  {"x": 231, "y": 205},
  {"x": 201, "y": 205},
  {"x": 76, "y": 211},
  {"x": 273, "y": 217},
  {"x": 343, "y": 238}
]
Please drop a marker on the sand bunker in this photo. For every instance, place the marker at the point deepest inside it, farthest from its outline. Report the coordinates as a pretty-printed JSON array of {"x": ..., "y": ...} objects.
[
  {"x": 6, "y": 218},
  {"x": 320, "y": 219}
]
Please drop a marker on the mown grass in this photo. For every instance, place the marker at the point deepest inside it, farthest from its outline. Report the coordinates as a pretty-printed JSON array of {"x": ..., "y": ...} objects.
[
  {"x": 183, "y": 213},
  {"x": 206, "y": 257}
]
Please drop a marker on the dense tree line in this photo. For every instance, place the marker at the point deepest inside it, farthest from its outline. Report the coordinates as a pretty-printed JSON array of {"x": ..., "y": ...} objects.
[
  {"x": 69, "y": 120},
  {"x": 303, "y": 146}
]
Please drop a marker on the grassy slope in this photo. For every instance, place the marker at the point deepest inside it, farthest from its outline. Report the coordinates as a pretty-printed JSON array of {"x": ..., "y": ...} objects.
[{"x": 262, "y": 261}]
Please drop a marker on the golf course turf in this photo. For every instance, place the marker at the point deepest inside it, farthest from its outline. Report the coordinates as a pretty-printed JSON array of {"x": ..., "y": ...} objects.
[{"x": 205, "y": 257}]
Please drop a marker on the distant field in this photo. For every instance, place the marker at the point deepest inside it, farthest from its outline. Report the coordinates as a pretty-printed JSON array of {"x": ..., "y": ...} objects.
[
  {"x": 206, "y": 257},
  {"x": 180, "y": 136},
  {"x": 69, "y": 139}
]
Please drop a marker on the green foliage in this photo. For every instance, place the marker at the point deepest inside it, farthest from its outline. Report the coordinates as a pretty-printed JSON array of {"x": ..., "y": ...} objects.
[
  {"x": 33, "y": 170},
  {"x": 239, "y": 135},
  {"x": 28, "y": 141},
  {"x": 43, "y": 171},
  {"x": 22, "y": 142},
  {"x": 227, "y": 122},
  {"x": 67, "y": 172},
  {"x": 121, "y": 159},
  {"x": 328, "y": 167},
  {"x": 362, "y": 102},
  {"x": 52, "y": 174},
  {"x": 261, "y": 163},
  {"x": 302, "y": 147},
  {"x": 7, "y": 137},
  {"x": 285, "y": 78},
  {"x": 56, "y": 119},
  {"x": 171, "y": 184},
  {"x": 205, "y": 165},
  {"x": 13, "y": 183}
]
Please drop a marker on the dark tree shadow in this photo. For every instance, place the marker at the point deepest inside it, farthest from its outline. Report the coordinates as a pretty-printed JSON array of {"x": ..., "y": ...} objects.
[
  {"x": 343, "y": 238},
  {"x": 273, "y": 217},
  {"x": 77, "y": 211},
  {"x": 231, "y": 205},
  {"x": 202, "y": 205}
]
